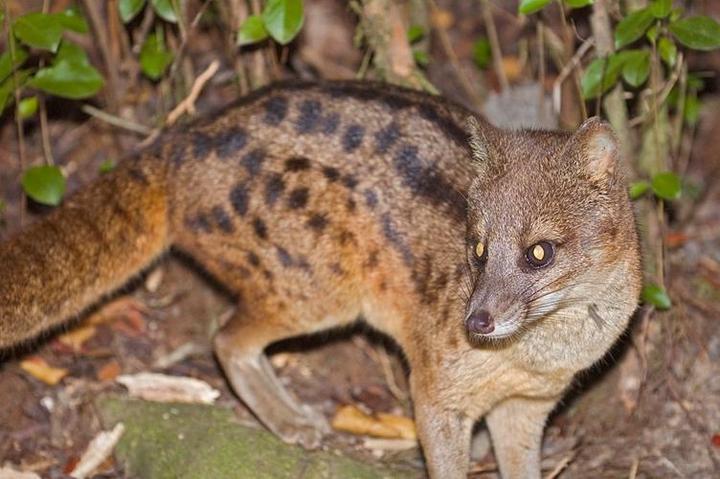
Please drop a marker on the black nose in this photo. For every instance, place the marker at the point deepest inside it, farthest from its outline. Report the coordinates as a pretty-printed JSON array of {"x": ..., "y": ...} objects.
[{"x": 480, "y": 322}]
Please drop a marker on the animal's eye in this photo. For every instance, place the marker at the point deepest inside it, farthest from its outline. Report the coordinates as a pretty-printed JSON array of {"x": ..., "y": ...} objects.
[
  {"x": 540, "y": 254},
  {"x": 480, "y": 250}
]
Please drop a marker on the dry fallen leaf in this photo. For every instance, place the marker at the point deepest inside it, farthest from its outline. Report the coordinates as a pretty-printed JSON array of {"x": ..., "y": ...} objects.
[
  {"x": 164, "y": 388},
  {"x": 97, "y": 451},
  {"x": 38, "y": 368},
  {"x": 512, "y": 67},
  {"x": 76, "y": 337},
  {"x": 351, "y": 419},
  {"x": 110, "y": 371},
  {"x": 123, "y": 307}
]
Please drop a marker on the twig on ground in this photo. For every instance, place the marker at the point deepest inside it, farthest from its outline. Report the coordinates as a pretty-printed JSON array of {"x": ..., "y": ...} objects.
[
  {"x": 188, "y": 104},
  {"x": 116, "y": 120},
  {"x": 560, "y": 467}
]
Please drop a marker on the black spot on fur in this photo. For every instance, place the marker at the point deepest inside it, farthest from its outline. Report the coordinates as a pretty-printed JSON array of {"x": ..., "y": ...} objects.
[
  {"x": 222, "y": 219},
  {"x": 396, "y": 239},
  {"x": 260, "y": 228},
  {"x": 177, "y": 154},
  {"x": 198, "y": 223},
  {"x": 202, "y": 145},
  {"x": 137, "y": 174},
  {"x": 386, "y": 138},
  {"x": 372, "y": 260},
  {"x": 371, "y": 198},
  {"x": 274, "y": 187},
  {"x": 428, "y": 182},
  {"x": 239, "y": 198},
  {"x": 298, "y": 163},
  {"x": 329, "y": 124},
  {"x": 253, "y": 259},
  {"x": 445, "y": 122},
  {"x": 352, "y": 138},
  {"x": 317, "y": 222},
  {"x": 332, "y": 174},
  {"x": 349, "y": 181},
  {"x": 298, "y": 198},
  {"x": 284, "y": 257},
  {"x": 351, "y": 205},
  {"x": 337, "y": 269},
  {"x": 230, "y": 141},
  {"x": 346, "y": 237},
  {"x": 253, "y": 161},
  {"x": 276, "y": 109},
  {"x": 309, "y": 117}
]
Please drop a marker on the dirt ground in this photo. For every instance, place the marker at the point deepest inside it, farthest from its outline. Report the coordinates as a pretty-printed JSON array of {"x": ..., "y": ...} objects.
[{"x": 650, "y": 410}]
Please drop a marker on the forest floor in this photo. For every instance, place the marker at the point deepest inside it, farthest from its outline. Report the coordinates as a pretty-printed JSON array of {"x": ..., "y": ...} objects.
[{"x": 651, "y": 410}]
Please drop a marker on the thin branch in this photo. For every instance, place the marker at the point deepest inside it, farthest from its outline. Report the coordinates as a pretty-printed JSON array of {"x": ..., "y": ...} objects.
[
  {"x": 569, "y": 68},
  {"x": 188, "y": 104},
  {"x": 494, "y": 45},
  {"x": 117, "y": 121}
]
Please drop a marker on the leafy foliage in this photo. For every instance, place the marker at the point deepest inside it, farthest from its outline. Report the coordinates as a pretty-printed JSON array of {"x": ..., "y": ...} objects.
[
  {"x": 44, "y": 184},
  {"x": 656, "y": 296},
  {"x": 154, "y": 56},
  {"x": 281, "y": 20}
]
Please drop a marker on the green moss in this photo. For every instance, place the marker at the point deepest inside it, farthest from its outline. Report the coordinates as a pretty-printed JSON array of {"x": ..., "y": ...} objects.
[{"x": 195, "y": 441}]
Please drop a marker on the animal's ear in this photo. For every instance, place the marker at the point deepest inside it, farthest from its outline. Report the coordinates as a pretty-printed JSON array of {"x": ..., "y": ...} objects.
[
  {"x": 596, "y": 148},
  {"x": 483, "y": 157}
]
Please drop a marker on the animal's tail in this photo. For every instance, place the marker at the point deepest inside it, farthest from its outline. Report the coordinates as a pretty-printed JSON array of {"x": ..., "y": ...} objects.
[{"x": 88, "y": 247}]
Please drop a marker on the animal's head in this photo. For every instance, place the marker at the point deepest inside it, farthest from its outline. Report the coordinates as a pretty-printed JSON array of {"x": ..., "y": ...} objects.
[{"x": 550, "y": 230}]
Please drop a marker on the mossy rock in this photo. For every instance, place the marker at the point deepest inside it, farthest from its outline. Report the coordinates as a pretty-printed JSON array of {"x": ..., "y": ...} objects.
[{"x": 177, "y": 441}]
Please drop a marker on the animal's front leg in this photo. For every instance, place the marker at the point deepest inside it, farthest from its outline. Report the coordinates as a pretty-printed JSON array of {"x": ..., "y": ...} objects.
[
  {"x": 444, "y": 434},
  {"x": 516, "y": 427}
]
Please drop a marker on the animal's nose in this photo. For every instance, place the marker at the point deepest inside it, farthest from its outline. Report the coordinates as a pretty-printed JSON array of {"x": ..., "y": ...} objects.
[{"x": 480, "y": 322}]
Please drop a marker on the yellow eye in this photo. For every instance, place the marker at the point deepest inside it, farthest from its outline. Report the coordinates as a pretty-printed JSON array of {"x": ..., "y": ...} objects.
[
  {"x": 540, "y": 254},
  {"x": 480, "y": 249}
]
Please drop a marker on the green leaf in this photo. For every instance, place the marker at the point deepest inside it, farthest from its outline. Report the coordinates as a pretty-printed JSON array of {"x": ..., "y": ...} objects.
[
  {"x": 695, "y": 82},
  {"x": 656, "y": 296},
  {"x": 652, "y": 33},
  {"x": 668, "y": 51},
  {"x": 44, "y": 184},
  {"x": 415, "y": 33},
  {"x": 661, "y": 8},
  {"x": 632, "y": 27},
  {"x": 676, "y": 14},
  {"x": 129, "y": 8},
  {"x": 165, "y": 9},
  {"x": 636, "y": 67},
  {"x": 692, "y": 109},
  {"x": 527, "y": 7},
  {"x": 107, "y": 166},
  {"x": 283, "y": 19},
  {"x": 579, "y": 3},
  {"x": 667, "y": 185},
  {"x": 71, "y": 52},
  {"x": 68, "y": 78},
  {"x": 698, "y": 33},
  {"x": 421, "y": 57},
  {"x": 481, "y": 52},
  {"x": 39, "y": 30},
  {"x": 72, "y": 19},
  {"x": 252, "y": 31},
  {"x": 154, "y": 57},
  {"x": 638, "y": 188},
  {"x": 6, "y": 87},
  {"x": 594, "y": 82},
  {"x": 28, "y": 107},
  {"x": 6, "y": 66}
]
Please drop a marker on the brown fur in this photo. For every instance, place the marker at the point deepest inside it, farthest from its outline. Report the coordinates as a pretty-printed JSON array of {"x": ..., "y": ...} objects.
[{"x": 315, "y": 204}]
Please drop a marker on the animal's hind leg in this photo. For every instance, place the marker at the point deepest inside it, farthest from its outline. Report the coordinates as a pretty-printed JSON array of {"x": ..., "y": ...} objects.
[{"x": 239, "y": 346}]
